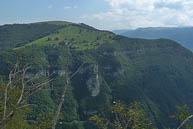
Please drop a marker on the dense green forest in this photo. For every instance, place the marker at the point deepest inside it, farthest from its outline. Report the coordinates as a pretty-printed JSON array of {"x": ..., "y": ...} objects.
[{"x": 156, "y": 73}]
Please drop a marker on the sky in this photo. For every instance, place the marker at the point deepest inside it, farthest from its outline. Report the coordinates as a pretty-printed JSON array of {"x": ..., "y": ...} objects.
[{"x": 101, "y": 14}]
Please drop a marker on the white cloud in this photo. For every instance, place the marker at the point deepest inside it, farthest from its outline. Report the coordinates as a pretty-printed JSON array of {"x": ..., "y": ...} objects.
[
  {"x": 144, "y": 13},
  {"x": 70, "y": 7},
  {"x": 50, "y": 6},
  {"x": 67, "y": 7}
]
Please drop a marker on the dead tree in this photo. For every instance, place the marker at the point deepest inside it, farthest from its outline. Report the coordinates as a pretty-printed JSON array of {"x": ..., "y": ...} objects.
[
  {"x": 27, "y": 87},
  {"x": 67, "y": 79}
]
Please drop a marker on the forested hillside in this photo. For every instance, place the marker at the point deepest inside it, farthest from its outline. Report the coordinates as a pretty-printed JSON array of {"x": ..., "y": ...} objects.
[
  {"x": 182, "y": 35},
  {"x": 158, "y": 73}
]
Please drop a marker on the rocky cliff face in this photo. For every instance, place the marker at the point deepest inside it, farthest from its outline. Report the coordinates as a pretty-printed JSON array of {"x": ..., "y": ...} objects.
[{"x": 93, "y": 83}]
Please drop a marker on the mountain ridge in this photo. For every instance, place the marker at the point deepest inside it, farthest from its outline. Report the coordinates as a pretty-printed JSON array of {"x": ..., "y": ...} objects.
[{"x": 181, "y": 35}]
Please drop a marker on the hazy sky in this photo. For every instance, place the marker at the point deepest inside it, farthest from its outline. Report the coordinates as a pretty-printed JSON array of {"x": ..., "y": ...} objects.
[{"x": 102, "y": 14}]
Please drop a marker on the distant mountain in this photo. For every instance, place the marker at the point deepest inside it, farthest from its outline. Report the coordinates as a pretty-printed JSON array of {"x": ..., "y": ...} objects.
[
  {"x": 182, "y": 35},
  {"x": 158, "y": 73},
  {"x": 119, "y": 31}
]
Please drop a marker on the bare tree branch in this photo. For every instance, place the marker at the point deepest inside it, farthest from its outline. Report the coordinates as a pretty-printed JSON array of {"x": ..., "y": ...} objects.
[
  {"x": 184, "y": 122},
  {"x": 60, "y": 105},
  {"x": 67, "y": 79},
  {"x": 23, "y": 86},
  {"x": 39, "y": 87},
  {"x": 27, "y": 105},
  {"x": 78, "y": 70},
  {"x": 17, "y": 79},
  {"x": 64, "y": 92}
]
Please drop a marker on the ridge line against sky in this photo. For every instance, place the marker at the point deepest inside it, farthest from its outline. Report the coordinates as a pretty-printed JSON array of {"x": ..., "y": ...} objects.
[{"x": 102, "y": 14}]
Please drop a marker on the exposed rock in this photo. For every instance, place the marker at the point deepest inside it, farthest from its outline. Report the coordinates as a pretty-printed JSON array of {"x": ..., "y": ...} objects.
[
  {"x": 93, "y": 82},
  {"x": 45, "y": 73}
]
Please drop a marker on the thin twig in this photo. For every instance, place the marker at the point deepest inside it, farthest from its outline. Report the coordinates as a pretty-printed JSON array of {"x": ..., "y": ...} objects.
[
  {"x": 27, "y": 105},
  {"x": 78, "y": 70}
]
